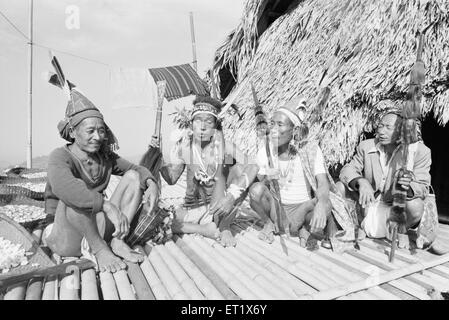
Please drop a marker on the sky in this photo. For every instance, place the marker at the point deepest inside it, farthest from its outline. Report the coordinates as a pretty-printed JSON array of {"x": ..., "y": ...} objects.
[{"x": 117, "y": 33}]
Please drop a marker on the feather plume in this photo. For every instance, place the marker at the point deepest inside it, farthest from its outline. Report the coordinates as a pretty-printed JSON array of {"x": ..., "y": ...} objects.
[{"x": 61, "y": 80}]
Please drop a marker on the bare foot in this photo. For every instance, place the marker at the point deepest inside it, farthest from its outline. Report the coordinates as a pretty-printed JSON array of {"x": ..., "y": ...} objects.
[
  {"x": 107, "y": 261},
  {"x": 210, "y": 230},
  {"x": 267, "y": 233},
  {"x": 120, "y": 248},
  {"x": 403, "y": 241},
  {"x": 438, "y": 248},
  {"x": 227, "y": 239}
]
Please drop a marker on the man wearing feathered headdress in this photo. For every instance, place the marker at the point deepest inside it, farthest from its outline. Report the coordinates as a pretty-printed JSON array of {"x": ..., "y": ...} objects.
[
  {"x": 299, "y": 167},
  {"x": 78, "y": 174},
  {"x": 213, "y": 189}
]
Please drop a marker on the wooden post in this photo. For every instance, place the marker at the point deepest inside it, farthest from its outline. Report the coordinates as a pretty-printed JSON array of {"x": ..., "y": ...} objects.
[
  {"x": 192, "y": 33},
  {"x": 30, "y": 93}
]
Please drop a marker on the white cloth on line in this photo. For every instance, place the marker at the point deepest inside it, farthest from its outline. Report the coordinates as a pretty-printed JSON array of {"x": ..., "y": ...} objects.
[{"x": 132, "y": 88}]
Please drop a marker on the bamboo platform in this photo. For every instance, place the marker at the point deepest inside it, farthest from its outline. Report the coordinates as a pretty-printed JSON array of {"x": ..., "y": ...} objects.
[{"x": 193, "y": 267}]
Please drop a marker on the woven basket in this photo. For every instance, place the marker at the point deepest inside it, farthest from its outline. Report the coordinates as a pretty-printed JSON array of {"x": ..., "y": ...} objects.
[
  {"x": 15, "y": 233},
  {"x": 6, "y": 190}
]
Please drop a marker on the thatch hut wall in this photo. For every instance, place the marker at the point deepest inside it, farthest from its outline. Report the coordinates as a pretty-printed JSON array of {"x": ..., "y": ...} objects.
[{"x": 367, "y": 47}]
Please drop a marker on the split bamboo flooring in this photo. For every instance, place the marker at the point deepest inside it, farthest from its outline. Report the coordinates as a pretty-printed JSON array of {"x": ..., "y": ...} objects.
[{"x": 193, "y": 267}]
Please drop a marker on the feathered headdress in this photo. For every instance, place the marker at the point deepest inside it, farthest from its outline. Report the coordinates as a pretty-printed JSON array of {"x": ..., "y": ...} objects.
[{"x": 79, "y": 107}]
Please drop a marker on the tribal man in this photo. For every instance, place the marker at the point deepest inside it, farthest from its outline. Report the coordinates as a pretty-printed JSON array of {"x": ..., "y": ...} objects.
[
  {"x": 299, "y": 166},
  {"x": 213, "y": 187}
]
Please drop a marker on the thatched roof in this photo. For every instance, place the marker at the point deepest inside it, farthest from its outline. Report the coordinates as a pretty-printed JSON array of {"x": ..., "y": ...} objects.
[{"x": 375, "y": 44}]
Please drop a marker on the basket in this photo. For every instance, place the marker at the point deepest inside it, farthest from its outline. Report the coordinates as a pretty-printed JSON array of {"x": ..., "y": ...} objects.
[{"x": 14, "y": 232}]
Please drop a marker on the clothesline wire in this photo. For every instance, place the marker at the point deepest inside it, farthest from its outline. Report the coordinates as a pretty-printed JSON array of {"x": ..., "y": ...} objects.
[
  {"x": 14, "y": 26},
  {"x": 46, "y": 47},
  {"x": 50, "y": 48}
]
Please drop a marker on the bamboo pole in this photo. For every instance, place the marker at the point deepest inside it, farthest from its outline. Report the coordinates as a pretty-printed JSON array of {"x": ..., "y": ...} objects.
[
  {"x": 156, "y": 285},
  {"x": 49, "y": 288},
  {"x": 374, "y": 281},
  {"x": 233, "y": 282},
  {"x": 419, "y": 288},
  {"x": 287, "y": 280},
  {"x": 261, "y": 276},
  {"x": 70, "y": 284},
  {"x": 30, "y": 90},
  {"x": 207, "y": 270},
  {"x": 181, "y": 276},
  {"x": 309, "y": 260},
  {"x": 168, "y": 279},
  {"x": 108, "y": 287},
  {"x": 89, "y": 290},
  {"x": 16, "y": 292},
  {"x": 201, "y": 281},
  {"x": 192, "y": 34},
  {"x": 34, "y": 290},
  {"x": 140, "y": 283},
  {"x": 360, "y": 266},
  {"x": 282, "y": 260},
  {"x": 258, "y": 290},
  {"x": 397, "y": 292},
  {"x": 124, "y": 289},
  {"x": 383, "y": 294},
  {"x": 441, "y": 270}
]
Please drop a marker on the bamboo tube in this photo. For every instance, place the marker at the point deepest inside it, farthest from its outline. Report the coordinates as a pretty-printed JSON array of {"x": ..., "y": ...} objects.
[
  {"x": 328, "y": 271},
  {"x": 16, "y": 292},
  {"x": 89, "y": 290},
  {"x": 383, "y": 294},
  {"x": 238, "y": 272},
  {"x": 363, "y": 295},
  {"x": 140, "y": 283},
  {"x": 34, "y": 290},
  {"x": 297, "y": 270},
  {"x": 160, "y": 292},
  {"x": 439, "y": 283},
  {"x": 308, "y": 259},
  {"x": 364, "y": 268},
  {"x": 390, "y": 276},
  {"x": 441, "y": 270},
  {"x": 49, "y": 288},
  {"x": 274, "y": 282},
  {"x": 181, "y": 276},
  {"x": 396, "y": 265},
  {"x": 397, "y": 292},
  {"x": 257, "y": 282},
  {"x": 68, "y": 289},
  {"x": 285, "y": 279},
  {"x": 201, "y": 281},
  {"x": 124, "y": 289},
  {"x": 108, "y": 287},
  {"x": 211, "y": 274},
  {"x": 168, "y": 279},
  {"x": 420, "y": 288},
  {"x": 233, "y": 282}
]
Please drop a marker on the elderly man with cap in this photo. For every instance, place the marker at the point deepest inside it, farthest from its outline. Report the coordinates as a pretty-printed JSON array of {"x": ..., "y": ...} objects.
[
  {"x": 213, "y": 187},
  {"x": 367, "y": 182},
  {"x": 299, "y": 167},
  {"x": 78, "y": 174}
]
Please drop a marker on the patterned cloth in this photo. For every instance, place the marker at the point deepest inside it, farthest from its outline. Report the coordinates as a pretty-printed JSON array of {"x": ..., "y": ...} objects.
[
  {"x": 152, "y": 226},
  {"x": 181, "y": 80}
]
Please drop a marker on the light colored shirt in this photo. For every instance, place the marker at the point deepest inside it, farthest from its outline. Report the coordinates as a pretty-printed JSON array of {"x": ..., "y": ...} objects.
[{"x": 293, "y": 184}]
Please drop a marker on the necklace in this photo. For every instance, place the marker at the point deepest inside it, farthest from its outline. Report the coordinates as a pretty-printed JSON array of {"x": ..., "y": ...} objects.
[
  {"x": 286, "y": 175},
  {"x": 202, "y": 175}
]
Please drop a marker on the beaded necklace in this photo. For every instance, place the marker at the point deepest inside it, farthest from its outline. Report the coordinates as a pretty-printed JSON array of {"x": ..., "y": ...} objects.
[{"x": 201, "y": 175}]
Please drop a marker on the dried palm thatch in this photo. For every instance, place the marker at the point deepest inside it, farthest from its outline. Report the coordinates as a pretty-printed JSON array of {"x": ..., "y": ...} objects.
[{"x": 363, "y": 50}]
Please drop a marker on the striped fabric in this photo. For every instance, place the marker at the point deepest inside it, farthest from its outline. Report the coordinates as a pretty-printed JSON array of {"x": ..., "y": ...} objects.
[{"x": 181, "y": 80}]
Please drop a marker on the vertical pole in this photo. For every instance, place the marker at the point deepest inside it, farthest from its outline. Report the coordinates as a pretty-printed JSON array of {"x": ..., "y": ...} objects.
[
  {"x": 30, "y": 92},
  {"x": 192, "y": 33}
]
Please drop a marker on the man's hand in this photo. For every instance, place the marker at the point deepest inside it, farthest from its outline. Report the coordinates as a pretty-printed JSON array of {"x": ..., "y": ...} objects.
[
  {"x": 118, "y": 219},
  {"x": 272, "y": 174},
  {"x": 151, "y": 195},
  {"x": 318, "y": 222},
  {"x": 154, "y": 143},
  {"x": 405, "y": 180},
  {"x": 366, "y": 193},
  {"x": 223, "y": 206}
]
